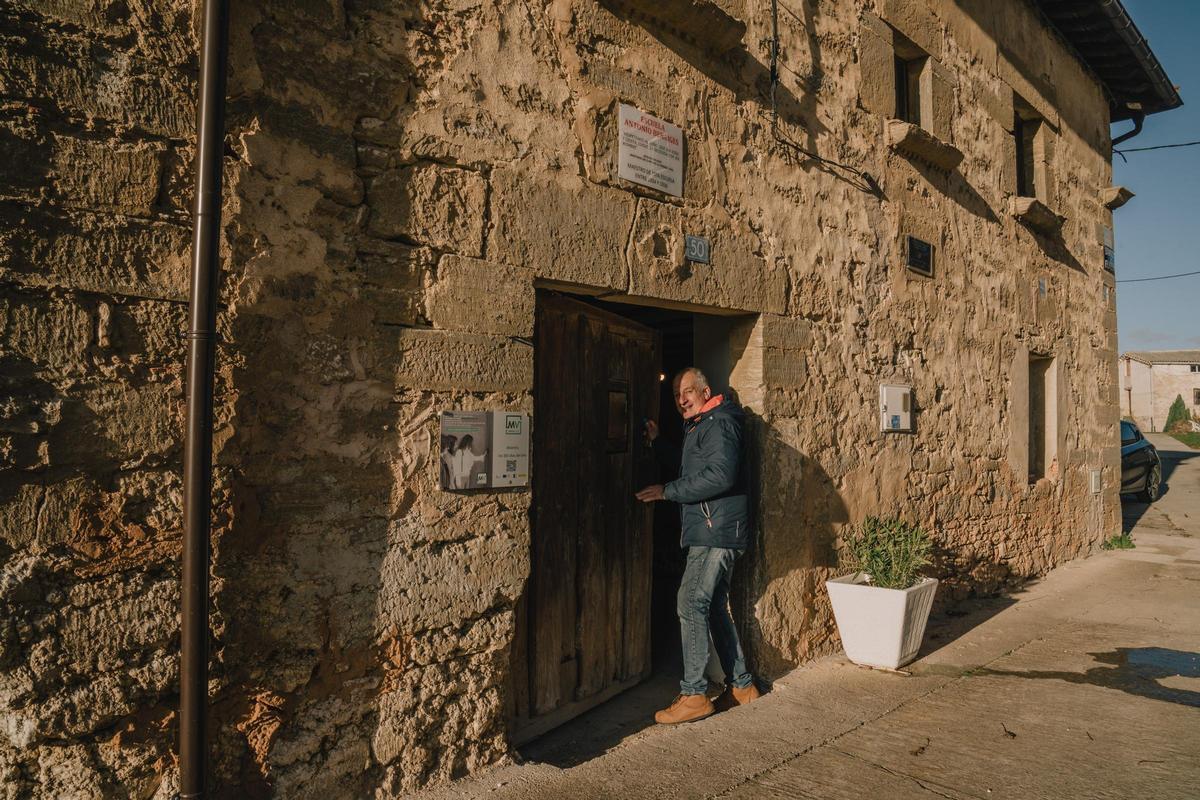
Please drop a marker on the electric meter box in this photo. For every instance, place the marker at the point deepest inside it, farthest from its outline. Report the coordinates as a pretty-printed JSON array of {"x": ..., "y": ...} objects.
[{"x": 895, "y": 408}]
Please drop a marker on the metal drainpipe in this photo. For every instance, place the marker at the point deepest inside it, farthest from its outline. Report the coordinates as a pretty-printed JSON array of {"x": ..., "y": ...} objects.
[
  {"x": 1138, "y": 118},
  {"x": 197, "y": 450}
]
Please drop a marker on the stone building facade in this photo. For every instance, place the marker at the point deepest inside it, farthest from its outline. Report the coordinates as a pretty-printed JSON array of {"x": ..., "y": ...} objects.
[
  {"x": 405, "y": 182},
  {"x": 1152, "y": 379}
]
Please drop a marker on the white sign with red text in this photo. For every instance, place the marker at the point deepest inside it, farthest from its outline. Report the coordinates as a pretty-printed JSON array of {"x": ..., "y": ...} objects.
[{"x": 650, "y": 151}]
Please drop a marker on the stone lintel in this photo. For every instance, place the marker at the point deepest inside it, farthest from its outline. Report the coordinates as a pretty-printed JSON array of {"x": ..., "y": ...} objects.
[
  {"x": 702, "y": 23},
  {"x": 1035, "y": 214},
  {"x": 1114, "y": 197},
  {"x": 438, "y": 360},
  {"x": 914, "y": 141}
]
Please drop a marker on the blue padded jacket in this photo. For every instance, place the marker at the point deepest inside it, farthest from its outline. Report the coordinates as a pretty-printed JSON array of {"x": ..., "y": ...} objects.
[{"x": 712, "y": 486}]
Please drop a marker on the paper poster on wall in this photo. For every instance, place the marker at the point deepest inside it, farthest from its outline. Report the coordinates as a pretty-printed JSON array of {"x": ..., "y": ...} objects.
[
  {"x": 464, "y": 450},
  {"x": 510, "y": 448},
  {"x": 483, "y": 450},
  {"x": 650, "y": 151}
]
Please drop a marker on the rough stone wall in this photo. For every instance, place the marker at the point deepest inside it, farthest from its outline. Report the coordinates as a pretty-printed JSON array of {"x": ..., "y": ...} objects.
[
  {"x": 95, "y": 122},
  {"x": 400, "y": 177}
]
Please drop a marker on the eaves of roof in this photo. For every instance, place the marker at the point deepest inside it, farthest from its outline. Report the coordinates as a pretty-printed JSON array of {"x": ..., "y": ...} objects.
[
  {"x": 1106, "y": 40},
  {"x": 1153, "y": 357}
]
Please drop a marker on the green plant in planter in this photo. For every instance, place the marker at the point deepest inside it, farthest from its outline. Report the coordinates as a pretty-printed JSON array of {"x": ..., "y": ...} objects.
[{"x": 890, "y": 551}]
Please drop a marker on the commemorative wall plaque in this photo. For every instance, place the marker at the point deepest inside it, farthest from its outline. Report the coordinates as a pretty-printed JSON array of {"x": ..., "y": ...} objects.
[{"x": 650, "y": 151}]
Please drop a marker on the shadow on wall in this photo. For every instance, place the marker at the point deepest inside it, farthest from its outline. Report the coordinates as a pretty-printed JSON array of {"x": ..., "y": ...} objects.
[
  {"x": 750, "y": 80},
  {"x": 1054, "y": 245},
  {"x": 361, "y": 618},
  {"x": 779, "y": 595},
  {"x": 997, "y": 21},
  {"x": 962, "y": 574},
  {"x": 955, "y": 186}
]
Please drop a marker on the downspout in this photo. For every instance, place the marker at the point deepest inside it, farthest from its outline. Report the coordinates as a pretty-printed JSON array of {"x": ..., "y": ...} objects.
[
  {"x": 1138, "y": 118},
  {"x": 197, "y": 448}
]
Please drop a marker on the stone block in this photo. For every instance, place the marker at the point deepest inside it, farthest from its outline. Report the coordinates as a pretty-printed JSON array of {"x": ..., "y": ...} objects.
[
  {"x": 93, "y": 252},
  {"x": 1039, "y": 97},
  {"x": 478, "y": 296},
  {"x": 916, "y": 142},
  {"x": 785, "y": 333},
  {"x": 101, "y": 175},
  {"x": 561, "y": 227},
  {"x": 1113, "y": 197},
  {"x": 98, "y": 80},
  {"x": 459, "y": 581},
  {"x": 395, "y": 277},
  {"x": 1007, "y": 161},
  {"x": 431, "y": 204},
  {"x": 1035, "y": 214},
  {"x": 394, "y": 265},
  {"x": 451, "y": 361},
  {"x": 877, "y": 67},
  {"x": 738, "y": 277},
  {"x": 938, "y": 101},
  {"x": 46, "y": 333},
  {"x": 121, "y": 424},
  {"x": 702, "y": 23},
  {"x": 24, "y": 150},
  {"x": 916, "y": 21},
  {"x": 998, "y": 103}
]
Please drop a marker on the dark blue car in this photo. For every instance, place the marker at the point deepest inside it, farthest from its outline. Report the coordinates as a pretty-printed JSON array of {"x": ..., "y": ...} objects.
[{"x": 1141, "y": 469}]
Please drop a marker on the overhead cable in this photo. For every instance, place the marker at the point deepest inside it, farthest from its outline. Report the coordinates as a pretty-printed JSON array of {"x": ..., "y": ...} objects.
[
  {"x": 1159, "y": 278},
  {"x": 1155, "y": 147}
]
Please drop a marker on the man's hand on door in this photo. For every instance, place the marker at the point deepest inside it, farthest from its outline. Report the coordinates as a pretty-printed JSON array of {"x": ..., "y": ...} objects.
[{"x": 651, "y": 493}]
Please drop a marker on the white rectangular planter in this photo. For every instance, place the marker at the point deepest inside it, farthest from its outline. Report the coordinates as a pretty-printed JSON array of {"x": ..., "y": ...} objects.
[{"x": 880, "y": 627}]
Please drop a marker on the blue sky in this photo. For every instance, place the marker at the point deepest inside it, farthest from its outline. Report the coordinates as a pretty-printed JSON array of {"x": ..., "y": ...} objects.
[{"x": 1156, "y": 232}]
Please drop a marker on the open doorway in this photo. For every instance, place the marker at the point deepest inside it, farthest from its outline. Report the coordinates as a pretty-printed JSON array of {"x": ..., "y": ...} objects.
[{"x": 598, "y": 620}]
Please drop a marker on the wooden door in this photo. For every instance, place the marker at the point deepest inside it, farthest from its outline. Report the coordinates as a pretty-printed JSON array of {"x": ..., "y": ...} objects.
[{"x": 583, "y": 627}]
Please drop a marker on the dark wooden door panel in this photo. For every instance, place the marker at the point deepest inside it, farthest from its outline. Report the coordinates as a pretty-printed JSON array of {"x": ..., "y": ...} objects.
[
  {"x": 593, "y": 469},
  {"x": 552, "y": 610},
  {"x": 585, "y": 629},
  {"x": 639, "y": 531}
]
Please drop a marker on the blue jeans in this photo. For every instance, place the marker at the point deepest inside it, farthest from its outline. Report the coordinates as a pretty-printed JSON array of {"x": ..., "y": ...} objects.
[{"x": 703, "y": 607}]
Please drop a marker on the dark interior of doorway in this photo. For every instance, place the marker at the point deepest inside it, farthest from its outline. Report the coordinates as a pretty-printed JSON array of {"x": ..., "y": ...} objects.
[{"x": 597, "y": 730}]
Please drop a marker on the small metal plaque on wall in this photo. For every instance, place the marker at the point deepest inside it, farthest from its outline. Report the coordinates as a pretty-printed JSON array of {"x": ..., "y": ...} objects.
[
  {"x": 920, "y": 256},
  {"x": 697, "y": 248}
]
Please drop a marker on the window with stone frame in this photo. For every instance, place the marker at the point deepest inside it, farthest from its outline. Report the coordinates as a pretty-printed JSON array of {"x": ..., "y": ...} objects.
[
  {"x": 1043, "y": 417},
  {"x": 903, "y": 79},
  {"x": 1031, "y": 134},
  {"x": 909, "y": 63},
  {"x": 1195, "y": 367},
  {"x": 1196, "y": 397}
]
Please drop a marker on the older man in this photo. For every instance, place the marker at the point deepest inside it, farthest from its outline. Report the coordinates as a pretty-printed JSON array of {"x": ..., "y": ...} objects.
[{"x": 712, "y": 494}]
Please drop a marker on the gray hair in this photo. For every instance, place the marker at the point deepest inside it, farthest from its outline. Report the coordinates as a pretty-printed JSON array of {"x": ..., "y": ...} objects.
[{"x": 701, "y": 378}]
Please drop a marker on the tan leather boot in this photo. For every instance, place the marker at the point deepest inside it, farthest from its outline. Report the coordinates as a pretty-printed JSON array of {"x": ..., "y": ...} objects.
[
  {"x": 685, "y": 708},
  {"x": 733, "y": 697}
]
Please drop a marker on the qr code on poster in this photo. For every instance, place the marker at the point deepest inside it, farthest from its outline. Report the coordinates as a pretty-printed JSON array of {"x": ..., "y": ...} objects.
[{"x": 510, "y": 466}]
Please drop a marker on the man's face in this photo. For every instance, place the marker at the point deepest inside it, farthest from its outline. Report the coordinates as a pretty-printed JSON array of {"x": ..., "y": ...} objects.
[{"x": 691, "y": 397}]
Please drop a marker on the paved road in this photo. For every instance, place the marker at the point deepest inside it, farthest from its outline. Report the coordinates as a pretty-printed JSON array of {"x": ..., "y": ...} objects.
[{"x": 1084, "y": 685}]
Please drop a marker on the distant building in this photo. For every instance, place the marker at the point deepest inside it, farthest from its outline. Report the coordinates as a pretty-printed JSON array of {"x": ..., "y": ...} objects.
[{"x": 1152, "y": 379}]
